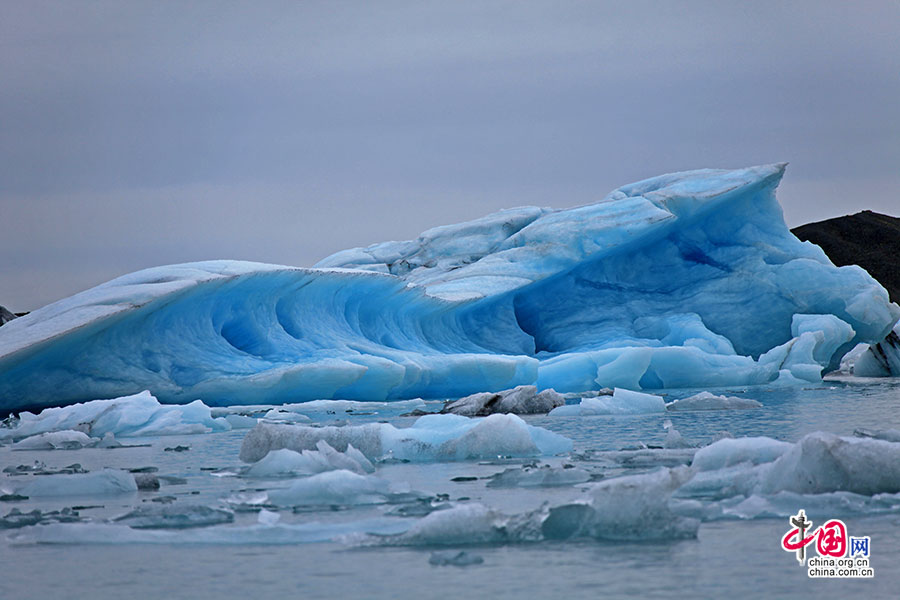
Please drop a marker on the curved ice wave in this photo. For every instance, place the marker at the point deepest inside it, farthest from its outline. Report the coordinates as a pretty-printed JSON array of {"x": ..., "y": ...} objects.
[{"x": 684, "y": 280}]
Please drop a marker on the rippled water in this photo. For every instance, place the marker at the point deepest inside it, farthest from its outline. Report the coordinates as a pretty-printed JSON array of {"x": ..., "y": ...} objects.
[{"x": 728, "y": 557}]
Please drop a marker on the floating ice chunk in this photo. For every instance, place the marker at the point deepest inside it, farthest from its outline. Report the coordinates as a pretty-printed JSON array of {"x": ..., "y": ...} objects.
[
  {"x": 729, "y": 452},
  {"x": 784, "y": 504},
  {"x": 268, "y": 517},
  {"x": 674, "y": 440},
  {"x": 633, "y": 507},
  {"x": 98, "y": 483},
  {"x": 432, "y": 437},
  {"x": 823, "y": 462},
  {"x": 286, "y": 416},
  {"x": 285, "y": 462},
  {"x": 175, "y": 516},
  {"x": 543, "y": 476},
  {"x": 709, "y": 401},
  {"x": 339, "y": 487},
  {"x": 523, "y": 400},
  {"x": 888, "y": 435},
  {"x": 318, "y": 409},
  {"x": 137, "y": 415},
  {"x": 622, "y": 402},
  {"x": 463, "y": 524},
  {"x": 277, "y": 534},
  {"x": 56, "y": 440},
  {"x": 15, "y": 518}
]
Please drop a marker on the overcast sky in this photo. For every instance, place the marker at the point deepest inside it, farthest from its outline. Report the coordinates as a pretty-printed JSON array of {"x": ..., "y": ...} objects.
[{"x": 134, "y": 134}]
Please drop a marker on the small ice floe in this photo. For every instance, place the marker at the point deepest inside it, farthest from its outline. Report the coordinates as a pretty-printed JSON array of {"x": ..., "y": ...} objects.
[
  {"x": 266, "y": 534},
  {"x": 819, "y": 463},
  {"x": 128, "y": 416},
  {"x": 15, "y": 518},
  {"x": 634, "y": 507},
  {"x": 455, "y": 559},
  {"x": 622, "y": 402},
  {"x": 523, "y": 400},
  {"x": 56, "y": 440},
  {"x": 286, "y": 463},
  {"x": 431, "y": 438},
  {"x": 174, "y": 516},
  {"x": 283, "y": 416},
  {"x": 97, "y": 483},
  {"x": 674, "y": 439},
  {"x": 888, "y": 435},
  {"x": 539, "y": 476},
  {"x": 40, "y": 468},
  {"x": 638, "y": 458},
  {"x": 709, "y": 401},
  {"x": 331, "y": 488}
]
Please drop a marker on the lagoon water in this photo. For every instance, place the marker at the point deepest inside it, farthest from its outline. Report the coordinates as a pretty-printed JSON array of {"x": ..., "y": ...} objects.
[{"x": 730, "y": 557}]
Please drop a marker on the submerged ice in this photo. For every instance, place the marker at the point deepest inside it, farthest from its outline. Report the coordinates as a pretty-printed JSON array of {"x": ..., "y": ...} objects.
[{"x": 683, "y": 280}]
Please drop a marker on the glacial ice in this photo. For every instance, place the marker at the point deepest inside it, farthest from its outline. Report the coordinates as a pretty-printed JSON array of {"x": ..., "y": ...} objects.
[
  {"x": 708, "y": 401},
  {"x": 684, "y": 280},
  {"x": 622, "y": 402},
  {"x": 340, "y": 487},
  {"x": 539, "y": 476},
  {"x": 278, "y": 534},
  {"x": 175, "y": 516},
  {"x": 430, "y": 438},
  {"x": 56, "y": 440},
  {"x": 105, "y": 482},
  {"x": 819, "y": 463},
  {"x": 129, "y": 416},
  {"x": 285, "y": 462}
]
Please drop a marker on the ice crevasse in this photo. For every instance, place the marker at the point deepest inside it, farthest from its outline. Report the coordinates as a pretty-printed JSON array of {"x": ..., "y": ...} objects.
[{"x": 683, "y": 280}]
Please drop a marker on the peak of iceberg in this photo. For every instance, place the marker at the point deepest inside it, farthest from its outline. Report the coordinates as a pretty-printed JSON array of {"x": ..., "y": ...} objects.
[{"x": 683, "y": 280}]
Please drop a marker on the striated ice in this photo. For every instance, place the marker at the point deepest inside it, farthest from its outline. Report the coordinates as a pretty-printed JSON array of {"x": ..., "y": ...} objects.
[
  {"x": 684, "y": 280},
  {"x": 431, "y": 438},
  {"x": 98, "y": 483},
  {"x": 708, "y": 401},
  {"x": 622, "y": 402}
]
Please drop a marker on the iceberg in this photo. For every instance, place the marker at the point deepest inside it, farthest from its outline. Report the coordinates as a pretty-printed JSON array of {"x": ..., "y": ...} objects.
[
  {"x": 285, "y": 462},
  {"x": 683, "y": 280},
  {"x": 99, "y": 483},
  {"x": 129, "y": 416},
  {"x": 430, "y": 438},
  {"x": 709, "y": 401},
  {"x": 622, "y": 402}
]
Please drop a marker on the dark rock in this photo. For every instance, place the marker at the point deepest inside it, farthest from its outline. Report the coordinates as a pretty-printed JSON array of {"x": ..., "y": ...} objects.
[
  {"x": 868, "y": 239},
  {"x": 147, "y": 482},
  {"x": 6, "y": 316},
  {"x": 178, "y": 449},
  {"x": 523, "y": 400}
]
